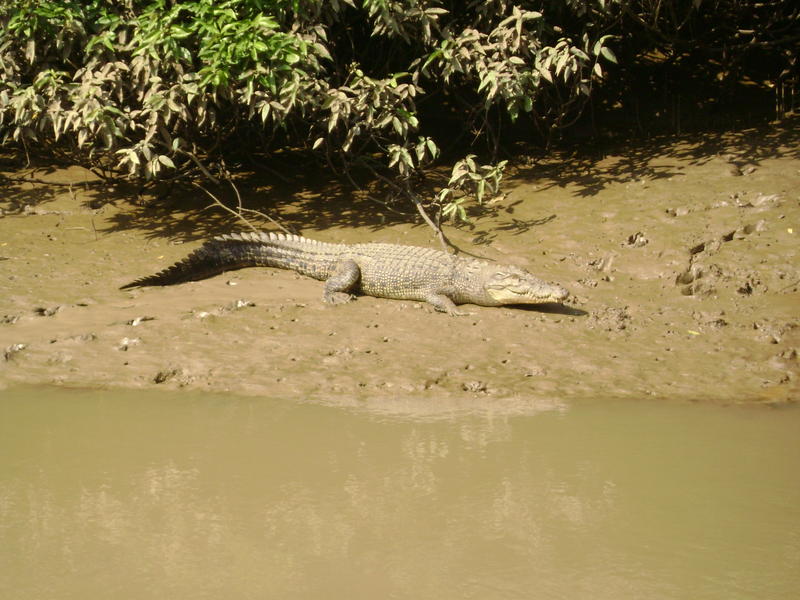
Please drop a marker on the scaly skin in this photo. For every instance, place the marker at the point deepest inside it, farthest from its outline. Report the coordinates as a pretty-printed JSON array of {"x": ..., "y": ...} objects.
[{"x": 379, "y": 270}]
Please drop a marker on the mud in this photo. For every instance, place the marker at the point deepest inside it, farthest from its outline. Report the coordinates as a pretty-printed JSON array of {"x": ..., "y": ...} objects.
[{"x": 681, "y": 255}]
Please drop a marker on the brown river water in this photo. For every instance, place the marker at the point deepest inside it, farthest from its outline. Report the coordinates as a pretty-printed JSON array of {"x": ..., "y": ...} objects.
[{"x": 146, "y": 494}]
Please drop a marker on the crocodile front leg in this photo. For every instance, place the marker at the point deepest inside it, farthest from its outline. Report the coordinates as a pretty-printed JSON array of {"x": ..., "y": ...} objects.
[
  {"x": 444, "y": 304},
  {"x": 344, "y": 279}
]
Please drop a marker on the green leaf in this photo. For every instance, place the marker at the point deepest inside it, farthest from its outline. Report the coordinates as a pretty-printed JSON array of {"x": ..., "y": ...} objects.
[
  {"x": 608, "y": 54},
  {"x": 579, "y": 53},
  {"x": 527, "y": 104},
  {"x": 432, "y": 147},
  {"x": 420, "y": 151}
]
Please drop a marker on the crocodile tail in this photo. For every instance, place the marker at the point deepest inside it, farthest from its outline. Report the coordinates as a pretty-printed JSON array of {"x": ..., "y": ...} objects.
[{"x": 240, "y": 250}]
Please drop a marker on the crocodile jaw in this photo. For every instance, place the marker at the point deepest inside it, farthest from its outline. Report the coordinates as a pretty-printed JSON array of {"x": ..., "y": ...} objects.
[
  {"x": 547, "y": 292},
  {"x": 520, "y": 287}
]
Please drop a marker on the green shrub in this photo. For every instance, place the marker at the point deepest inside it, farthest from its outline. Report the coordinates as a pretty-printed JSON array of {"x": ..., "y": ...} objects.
[{"x": 149, "y": 89}]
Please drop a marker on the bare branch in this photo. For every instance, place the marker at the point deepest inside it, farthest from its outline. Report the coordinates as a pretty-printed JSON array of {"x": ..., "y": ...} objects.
[
  {"x": 240, "y": 210},
  {"x": 200, "y": 166},
  {"x": 219, "y": 203}
]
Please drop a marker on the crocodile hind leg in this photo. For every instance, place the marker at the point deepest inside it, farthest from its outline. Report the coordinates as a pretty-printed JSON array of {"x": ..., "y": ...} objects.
[{"x": 344, "y": 279}]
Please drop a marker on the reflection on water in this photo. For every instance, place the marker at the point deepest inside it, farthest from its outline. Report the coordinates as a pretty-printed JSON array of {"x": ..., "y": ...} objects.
[{"x": 141, "y": 495}]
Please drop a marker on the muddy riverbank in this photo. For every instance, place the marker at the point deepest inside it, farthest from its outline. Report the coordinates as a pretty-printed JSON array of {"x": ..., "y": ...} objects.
[{"x": 681, "y": 255}]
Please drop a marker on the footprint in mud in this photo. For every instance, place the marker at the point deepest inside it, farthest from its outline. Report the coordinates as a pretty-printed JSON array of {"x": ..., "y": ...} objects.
[
  {"x": 691, "y": 281},
  {"x": 611, "y": 318},
  {"x": 699, "y": 288},
  {"x": 219, "y": 311},
  {"x": 698, "y": 280},
  {"x": 711, "y": 320},
  {"x": 689, "y": 275}
]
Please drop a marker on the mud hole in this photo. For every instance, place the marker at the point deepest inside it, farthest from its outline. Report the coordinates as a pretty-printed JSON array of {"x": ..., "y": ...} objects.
[{"x": 684, "y": 272}]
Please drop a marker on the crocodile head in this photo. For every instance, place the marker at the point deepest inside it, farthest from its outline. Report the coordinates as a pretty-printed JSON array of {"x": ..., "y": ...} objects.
[{"x": 512, "y": 285}]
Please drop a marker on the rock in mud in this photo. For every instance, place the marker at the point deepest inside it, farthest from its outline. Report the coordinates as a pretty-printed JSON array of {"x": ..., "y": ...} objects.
[
  {"x": 139, "y": 320},
  {"x": 59, "y": 358},
  {"x": 713, "y": 320},
  {"x": 476, "y": 387},
  {"x": 126, "y": 343},
  {"x": 680, "y": 211},
  {"x": 13, "y": 350},
  {"x": 176, "y": 374},
  {"x": 535, "y": 371},
  {"x": 80, "y": 338},
  {"x": 767, "y": 200},
  {"x": 745, "y": 230},
  {"x": 734, "y": 170},
  {"x": 711, "y": 246},
  {"x": 637, "y": 240},
  {"x": 166, "y": 375},
  {"x": 238, "y": 304}
]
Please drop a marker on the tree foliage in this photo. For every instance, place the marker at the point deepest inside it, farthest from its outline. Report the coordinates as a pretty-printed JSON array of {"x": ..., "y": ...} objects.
[{"x": 149, "y": 89}]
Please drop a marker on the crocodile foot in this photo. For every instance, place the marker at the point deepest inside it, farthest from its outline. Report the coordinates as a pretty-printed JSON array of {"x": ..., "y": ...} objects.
[{"x": 337, "y": 297}]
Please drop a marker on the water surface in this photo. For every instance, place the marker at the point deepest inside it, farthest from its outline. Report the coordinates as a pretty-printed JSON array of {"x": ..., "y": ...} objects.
[{"x": 161, "y": 495}]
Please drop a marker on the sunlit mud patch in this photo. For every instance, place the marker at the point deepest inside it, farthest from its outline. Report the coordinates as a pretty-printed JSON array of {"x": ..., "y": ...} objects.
[{"x": 684, "y": 284}]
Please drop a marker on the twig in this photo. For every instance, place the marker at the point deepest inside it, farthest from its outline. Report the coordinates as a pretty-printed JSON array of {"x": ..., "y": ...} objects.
[
  {"x": 268, "y": 218},
  {"x": 240, "y": 209},
  {"x": 200, "y": 166},
  {"x": 369, "y": 197},
  {"x": 786, "y": 287},
  {"x": 406, "y": 190},
  {"x": 439, "y": 233},
  {"x": 238, "y": 195},
  {"x": 42, "y": 181},
  {"x": 221, "y": 205}
]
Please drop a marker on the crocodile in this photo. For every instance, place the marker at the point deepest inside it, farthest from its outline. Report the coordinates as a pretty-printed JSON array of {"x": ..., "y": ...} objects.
[{"x": 375, "y": 269}]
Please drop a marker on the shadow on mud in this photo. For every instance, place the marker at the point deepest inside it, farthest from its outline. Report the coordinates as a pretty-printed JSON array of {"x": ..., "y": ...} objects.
[
  {"x": 300, "y": 194},
  {"x": 582, "y": 168},
  {"x": 553, "y": 308},
  {"x": 297, "y": 193}
]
